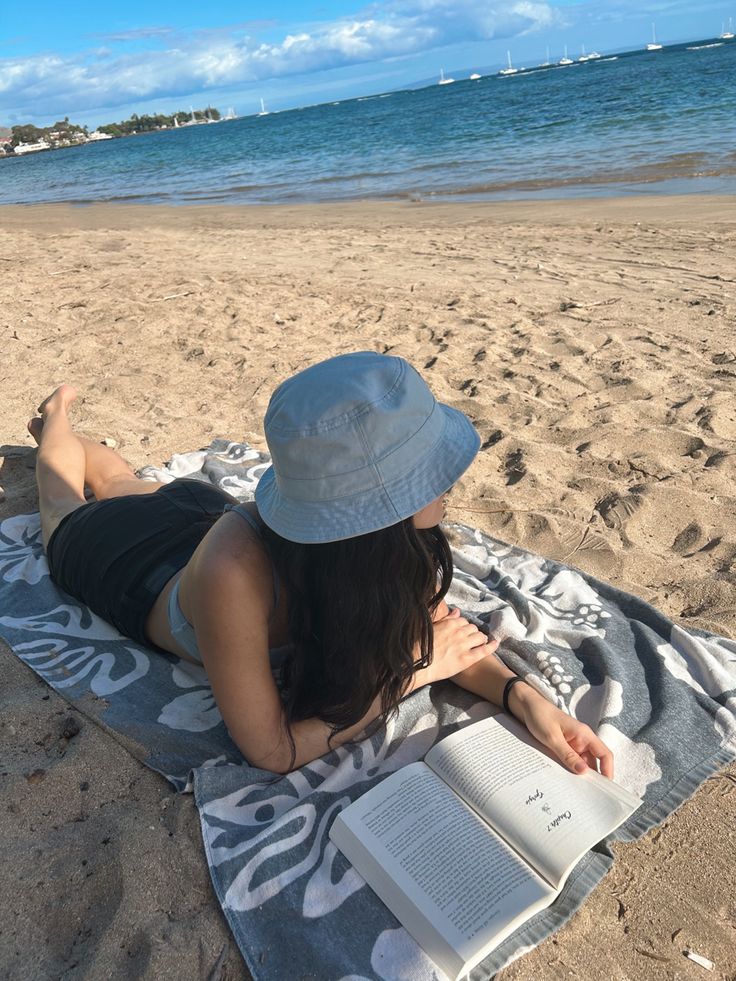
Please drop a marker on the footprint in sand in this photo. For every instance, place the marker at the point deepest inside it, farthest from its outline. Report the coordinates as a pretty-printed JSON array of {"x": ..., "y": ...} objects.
[
  {"x": 691, "y": 539},
  {"x": 469, "y": 387},
  {"x": 514, "y": 467},
  {"x": 717, "y": 459},
  {"x": 704, "y": 415},
  {"x": 724, "y": 357},
  {"x": 616, "y": 509},
  {"x": 491, "y": 439}
]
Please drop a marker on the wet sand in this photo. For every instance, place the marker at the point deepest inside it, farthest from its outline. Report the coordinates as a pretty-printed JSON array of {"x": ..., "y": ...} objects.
[{"x": 593, "y": 343}]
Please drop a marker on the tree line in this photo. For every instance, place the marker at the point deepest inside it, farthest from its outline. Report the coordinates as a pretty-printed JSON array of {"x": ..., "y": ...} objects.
[
  {"x": 66, "y": 132},
  {"x": 146, "y": 123}
]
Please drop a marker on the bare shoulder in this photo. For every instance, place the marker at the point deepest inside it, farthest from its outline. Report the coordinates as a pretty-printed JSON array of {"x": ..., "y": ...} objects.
[{"x": 232, "y": 561}]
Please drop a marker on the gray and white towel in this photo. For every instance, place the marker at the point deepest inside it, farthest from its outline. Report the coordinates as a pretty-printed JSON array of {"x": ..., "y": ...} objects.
[{"x": 663, "y": 699}]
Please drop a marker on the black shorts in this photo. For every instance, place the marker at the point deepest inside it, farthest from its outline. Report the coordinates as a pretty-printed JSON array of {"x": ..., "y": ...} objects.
[{"x": 116, "y": 555}]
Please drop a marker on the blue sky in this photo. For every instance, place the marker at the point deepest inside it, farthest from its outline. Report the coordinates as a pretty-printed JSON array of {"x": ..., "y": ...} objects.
[{"x": 96, "y": 63}]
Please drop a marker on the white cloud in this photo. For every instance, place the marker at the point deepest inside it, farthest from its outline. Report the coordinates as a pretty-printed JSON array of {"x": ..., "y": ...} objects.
[
  {"x": 140, "y": 33},
  {"x": 48, "y": 84}
]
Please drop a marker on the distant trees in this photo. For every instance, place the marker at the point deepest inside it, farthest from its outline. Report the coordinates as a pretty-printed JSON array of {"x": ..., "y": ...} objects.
[
  {"x": 64, "y": 133},
  {"x": 61, "y": 132},
  {"x": 148, "y": 123},
  {"x": 25, "y": 134}
]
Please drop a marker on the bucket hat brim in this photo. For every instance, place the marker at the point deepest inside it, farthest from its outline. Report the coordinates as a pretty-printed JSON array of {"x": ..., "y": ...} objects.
[{"x": 313, "y": 522}]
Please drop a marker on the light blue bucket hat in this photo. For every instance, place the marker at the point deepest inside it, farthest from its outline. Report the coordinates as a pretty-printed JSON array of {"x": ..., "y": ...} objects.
[{"x": 358, "y": 443}]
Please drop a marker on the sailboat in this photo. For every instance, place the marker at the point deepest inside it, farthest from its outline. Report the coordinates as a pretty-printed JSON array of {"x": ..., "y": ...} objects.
[
  {"x": 565, "y": 60},
  {"x": 588, "y": 57},
  {"x": 264, "y": 111},
  {"x": 726, "y": 35},
  {"x": 510, "y": 70},
  {"x": 230, "y": 114},
  {"x": 547, "y": 63},
  {"x": 443, "y": 80},
  {"x": 654, "y": 46},
  {"x": 474, "y": 77}
]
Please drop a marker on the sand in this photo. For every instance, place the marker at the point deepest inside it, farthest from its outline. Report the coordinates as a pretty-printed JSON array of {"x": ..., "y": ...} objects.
[{"x": 593, "y": 344}]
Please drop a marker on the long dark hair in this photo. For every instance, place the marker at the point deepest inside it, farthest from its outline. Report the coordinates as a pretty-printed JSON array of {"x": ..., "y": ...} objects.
[{"x": 359, "y": 615}]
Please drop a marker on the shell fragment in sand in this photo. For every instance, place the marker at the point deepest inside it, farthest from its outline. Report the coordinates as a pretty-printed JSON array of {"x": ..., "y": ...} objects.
[{"x": 699, "y": 959}]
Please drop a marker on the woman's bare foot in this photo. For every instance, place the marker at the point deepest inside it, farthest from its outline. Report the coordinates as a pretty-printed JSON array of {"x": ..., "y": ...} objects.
[
  {"x": 59, "y": 400},
  {"x": 35, "y": 428}
]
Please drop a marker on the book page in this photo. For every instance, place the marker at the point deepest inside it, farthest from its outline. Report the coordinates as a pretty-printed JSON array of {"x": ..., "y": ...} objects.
[
  {"x": 459, "y": 885},
  {"x": 550, "y": 815}
]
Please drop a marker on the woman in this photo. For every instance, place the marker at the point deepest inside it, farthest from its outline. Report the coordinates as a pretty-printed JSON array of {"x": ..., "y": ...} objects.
[{"x": 337, "y": 572}]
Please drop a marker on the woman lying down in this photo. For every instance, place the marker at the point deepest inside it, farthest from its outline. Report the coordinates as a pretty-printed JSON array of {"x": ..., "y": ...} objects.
[{"x": 338, "y": 569}]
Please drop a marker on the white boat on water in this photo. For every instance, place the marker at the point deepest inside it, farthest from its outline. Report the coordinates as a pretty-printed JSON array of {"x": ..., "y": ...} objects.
[
  {"x": 474, "y": 77},
  {"x": 727, "y": 35},
  {"x": 443, "y": 80},
  {"x": 264, "y": 111},
  {"x": 22, "y": 148},
  {"x": 547, "y": 63},
  {"x": 565, "y": 60},
  {"x": 510, "y": 70},
  {"x": 593, "y": 56},
  {"x": 654, "y": 46}
]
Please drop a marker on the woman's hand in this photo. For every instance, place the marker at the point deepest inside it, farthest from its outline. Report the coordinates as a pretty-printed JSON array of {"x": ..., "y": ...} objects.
[
  {"x": 458, "y": 644},
  {"x": 572, "y": 742}
]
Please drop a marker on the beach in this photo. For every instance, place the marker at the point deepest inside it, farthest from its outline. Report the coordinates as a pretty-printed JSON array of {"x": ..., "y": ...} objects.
[{"x": 592, "y": 343}]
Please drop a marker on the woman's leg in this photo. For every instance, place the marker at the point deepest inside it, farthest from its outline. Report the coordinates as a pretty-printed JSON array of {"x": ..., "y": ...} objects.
[{"x": 67, "y": 462}]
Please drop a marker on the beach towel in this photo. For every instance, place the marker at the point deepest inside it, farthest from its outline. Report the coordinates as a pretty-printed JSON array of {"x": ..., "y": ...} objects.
[{"x": 663, "y": 698}]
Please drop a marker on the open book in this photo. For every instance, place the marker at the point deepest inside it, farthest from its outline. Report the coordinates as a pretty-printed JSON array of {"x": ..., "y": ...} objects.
[{"x": 466, "y": 846}]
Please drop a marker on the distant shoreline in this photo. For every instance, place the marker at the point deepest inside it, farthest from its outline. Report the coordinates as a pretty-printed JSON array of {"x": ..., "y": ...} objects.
[
  {"x": 76, "y": 146},
  {"x": 69, "y": 135}
]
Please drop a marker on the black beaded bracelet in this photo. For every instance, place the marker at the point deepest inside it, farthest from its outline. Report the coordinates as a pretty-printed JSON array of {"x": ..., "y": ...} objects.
[{"x": 506, "y": 692}]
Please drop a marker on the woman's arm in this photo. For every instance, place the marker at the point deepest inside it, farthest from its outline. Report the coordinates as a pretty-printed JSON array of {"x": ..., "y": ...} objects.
[
  {"x": 573, "y": 743},
  {"x": 230, "y": 604},
  {"x": 478, "y": 671}
]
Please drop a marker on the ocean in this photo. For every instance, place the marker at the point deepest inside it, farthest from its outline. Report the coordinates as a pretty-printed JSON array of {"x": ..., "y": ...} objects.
[{"x": 640, "y": 123}]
